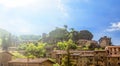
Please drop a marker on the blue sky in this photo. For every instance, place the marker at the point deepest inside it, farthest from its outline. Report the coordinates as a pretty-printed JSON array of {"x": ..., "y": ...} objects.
[{"x": 101, "y": 17}]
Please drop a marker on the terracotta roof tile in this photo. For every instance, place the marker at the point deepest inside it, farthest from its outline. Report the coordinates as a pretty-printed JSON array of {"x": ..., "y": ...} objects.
[{"x": 25, "y": 60}]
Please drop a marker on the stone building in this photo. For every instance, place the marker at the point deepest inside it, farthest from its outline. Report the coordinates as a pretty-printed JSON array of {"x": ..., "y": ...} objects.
[
  {"x": 108, "y": 57},
  {"x": 86, "y": 58},
  {"x": 100, "y": 58},
  {"x": 31, "y": 62},
  {"x": 105, "y": 41},
  {"x": 113, "y": 57},
  {"x": 4, "y": 58}
]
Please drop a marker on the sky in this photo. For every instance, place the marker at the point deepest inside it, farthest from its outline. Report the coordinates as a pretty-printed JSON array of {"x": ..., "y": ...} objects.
[{"x": 101, "y": 17}]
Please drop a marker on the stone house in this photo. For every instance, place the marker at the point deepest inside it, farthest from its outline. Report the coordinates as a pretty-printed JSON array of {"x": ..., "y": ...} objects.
[
  {"x": 86, "y": 58},
  {"x": 113, "y": 57},
  {"x": 100, "y": 58},
  {"x": 4, "y": 58},
  {"x": 108, "y": 57},
  {"x": 31, "y": 62}
]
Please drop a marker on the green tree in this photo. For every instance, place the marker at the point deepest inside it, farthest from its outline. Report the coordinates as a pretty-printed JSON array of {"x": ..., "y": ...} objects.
[
  {"x": 6, "y": 42},
  {"x": 33, "y": 50},
  {"x": 67, "y": 45},
  {"x": 74, "y": 35},
  {"x": 22, "y": 46}
]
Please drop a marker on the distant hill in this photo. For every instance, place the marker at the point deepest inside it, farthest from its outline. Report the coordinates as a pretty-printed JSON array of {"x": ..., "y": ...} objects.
[
  {"x": 29, "y": 37},
  {"x": 4, "y": 32}
]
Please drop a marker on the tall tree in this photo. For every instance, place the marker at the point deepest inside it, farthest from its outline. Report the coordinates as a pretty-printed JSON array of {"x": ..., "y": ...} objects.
[
  {"x": 74, "y": 35},
  {"x": 67, "y": 45},
  {"x": 33, "y": 50},
  {"x": 4, "y": 44}
]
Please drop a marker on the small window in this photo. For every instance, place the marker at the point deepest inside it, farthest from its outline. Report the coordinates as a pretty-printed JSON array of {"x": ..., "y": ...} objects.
[
  {"x": 109, "y": 64},
  {"x": 96, "y": 52},
  {"x": 119, "y": 64},
  {"x": 101, "y": 57}
]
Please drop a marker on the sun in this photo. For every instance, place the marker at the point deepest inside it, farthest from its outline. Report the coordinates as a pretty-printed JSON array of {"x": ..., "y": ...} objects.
[{"x": 25, "y": 31}]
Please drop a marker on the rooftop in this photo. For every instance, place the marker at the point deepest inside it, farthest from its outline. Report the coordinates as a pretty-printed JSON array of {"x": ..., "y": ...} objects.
[{"x": 26, "y": 60}]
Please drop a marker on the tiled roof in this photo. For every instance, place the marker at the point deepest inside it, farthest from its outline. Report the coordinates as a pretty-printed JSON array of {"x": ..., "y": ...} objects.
[
  {"x": 100, "y": 51},
  {"x": 90, "y": 55},
  {"x": 113, "y": 46},
  {"x": 60, "y": 51},
  {"x": 113, "y": 56},
  {"x": 25, "y": 60}
]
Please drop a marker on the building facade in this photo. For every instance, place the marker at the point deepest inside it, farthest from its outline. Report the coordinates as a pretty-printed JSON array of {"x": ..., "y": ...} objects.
[
  {"x": 5, "y": 57},
  {"x": 108, "y": 57}
]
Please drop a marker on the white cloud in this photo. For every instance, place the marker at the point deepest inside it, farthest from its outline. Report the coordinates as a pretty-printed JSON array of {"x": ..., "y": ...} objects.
[{"x": 114, "y": 27}]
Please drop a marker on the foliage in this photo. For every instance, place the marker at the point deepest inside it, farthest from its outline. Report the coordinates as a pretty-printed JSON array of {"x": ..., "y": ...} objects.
[
  {"x": 33, "y": 50},
  {"x": 56, "y": 64},
  {"x": 0, "y": 42},
  {"x": 65, "y": 44},
  {"x": 6, "y": 42},
  {"x": 22, "y": 46},
  {"x": 74, "y": 35},
  {"x": 98, "y": 49},
  {"x": 65, "y": 62},
  {"x": 17, "y": 55}
]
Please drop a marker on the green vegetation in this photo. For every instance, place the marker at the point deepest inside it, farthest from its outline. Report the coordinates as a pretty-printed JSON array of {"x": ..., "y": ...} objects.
[
  {"x": 6, "y": 42},
  {"x": 67, "y": 44},
  {"x": 56, "y": 64},
  {"x": 33, "y": 50},
  {"x": 17, "y": 55}
]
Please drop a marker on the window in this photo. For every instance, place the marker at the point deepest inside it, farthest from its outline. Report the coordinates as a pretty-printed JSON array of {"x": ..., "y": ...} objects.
[
  {"x": 101, "y": 57},
  {"x": 119, "y": 64},
  {"x": 109, "y": 64}
]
